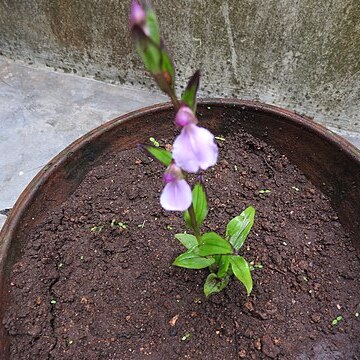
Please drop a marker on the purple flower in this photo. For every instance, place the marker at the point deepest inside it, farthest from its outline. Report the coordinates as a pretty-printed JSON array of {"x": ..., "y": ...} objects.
[
  {"x": 137, "y": 15},
  {"x": 194, "y": 148},
  {"x": 176, "y": 195}
]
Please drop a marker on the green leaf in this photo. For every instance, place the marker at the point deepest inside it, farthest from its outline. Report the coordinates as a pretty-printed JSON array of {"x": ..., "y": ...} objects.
[
  {"x": 150, "y": 54},
  {"x": 241, "y": 270},
  {"x": 224, "y": 263},
  {"x": 188, "y": 240},
  {"x": 153, "y": 26},
  {"x": 200, "y": 205},
  {"x": 189, "y": 95},
  {"x": 165, "y": 78},
  {"x": 167, "y": 68},
  {"x": 159, "y": 154},
  {"x": 191, "y": 260},
  {"x": 214, "y": 244},
  {"x": 215, "y": 284},
  {"x": 239, "y": 227},
  {"x": 156, "y": 60}
]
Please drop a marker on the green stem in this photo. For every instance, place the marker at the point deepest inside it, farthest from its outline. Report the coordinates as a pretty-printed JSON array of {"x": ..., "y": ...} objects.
[
  {"x": 194, "y": 224},
  {"x": 174, "y": 100}
]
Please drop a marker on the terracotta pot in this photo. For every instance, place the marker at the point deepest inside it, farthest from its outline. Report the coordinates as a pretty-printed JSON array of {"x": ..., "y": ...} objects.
[{"x": 330, "y": 162}]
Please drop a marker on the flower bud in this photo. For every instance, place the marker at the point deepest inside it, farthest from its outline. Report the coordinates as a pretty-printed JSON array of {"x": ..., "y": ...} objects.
[
  {"x": 137, "y": 14},
  {"x": 185, "y": 117}
]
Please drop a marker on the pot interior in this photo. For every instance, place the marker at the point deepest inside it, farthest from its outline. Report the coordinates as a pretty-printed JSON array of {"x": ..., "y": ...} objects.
[{"x": 331, "y": 163}]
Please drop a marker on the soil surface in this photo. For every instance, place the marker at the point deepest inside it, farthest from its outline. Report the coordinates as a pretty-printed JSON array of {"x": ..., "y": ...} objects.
[{"x": 96, "y": 281}]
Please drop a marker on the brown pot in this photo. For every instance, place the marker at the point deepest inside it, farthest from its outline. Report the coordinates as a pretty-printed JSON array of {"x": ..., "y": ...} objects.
[{"x": 330, "y": 162}]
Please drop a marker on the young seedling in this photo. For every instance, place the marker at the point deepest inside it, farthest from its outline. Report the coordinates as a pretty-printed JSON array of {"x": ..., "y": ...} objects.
[
  {"x": 118, "y": 224},
  {"x": 194, "y": 150},
  {"x": 186, "y": 337},
  {"x": 154, "y": 142},
  {"x": 97, "y": 228},
  {"x": 265, "y": 191},
  {"x": 255, "y": 266},
  {"x": 141, "y": 226},
  {"x": 337, "y": 320}
]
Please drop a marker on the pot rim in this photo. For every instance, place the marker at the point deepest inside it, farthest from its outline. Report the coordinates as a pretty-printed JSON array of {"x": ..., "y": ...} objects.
[{"x": 9, "y": 228}]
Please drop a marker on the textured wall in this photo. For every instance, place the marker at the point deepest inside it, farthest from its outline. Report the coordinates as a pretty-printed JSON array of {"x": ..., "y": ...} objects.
[{"x": 300, "y": 54}]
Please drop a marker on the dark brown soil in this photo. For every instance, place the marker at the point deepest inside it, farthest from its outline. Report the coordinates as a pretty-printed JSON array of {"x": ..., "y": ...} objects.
[{"x": 87, "y": 290}]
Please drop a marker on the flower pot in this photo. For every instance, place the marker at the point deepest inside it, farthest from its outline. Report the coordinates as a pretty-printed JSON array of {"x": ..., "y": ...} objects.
[{"x": 328, "y": 161}]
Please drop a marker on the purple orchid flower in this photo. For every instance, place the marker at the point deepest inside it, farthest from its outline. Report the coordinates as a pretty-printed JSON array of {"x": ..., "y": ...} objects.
[
  {"x": 176, "y": 195},
  {"x": 195, "y": 147}
]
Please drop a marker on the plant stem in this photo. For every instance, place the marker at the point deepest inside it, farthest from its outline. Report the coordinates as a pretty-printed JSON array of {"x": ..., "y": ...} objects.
[
  {"x": 191, "y": 210},
  {"x": 174, "y": 100},
  {"x": 194, "y": 224}
]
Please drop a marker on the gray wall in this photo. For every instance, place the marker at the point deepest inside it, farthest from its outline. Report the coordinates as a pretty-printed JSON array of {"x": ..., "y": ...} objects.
[{"x": 300, "y": 54}]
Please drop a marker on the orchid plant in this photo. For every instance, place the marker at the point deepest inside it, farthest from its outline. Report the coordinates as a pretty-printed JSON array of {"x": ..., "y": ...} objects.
[{"x": 193, "y": 151}]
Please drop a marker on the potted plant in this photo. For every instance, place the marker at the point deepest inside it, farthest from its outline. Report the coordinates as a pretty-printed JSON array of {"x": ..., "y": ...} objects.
[{"x": 86, "y": 250}]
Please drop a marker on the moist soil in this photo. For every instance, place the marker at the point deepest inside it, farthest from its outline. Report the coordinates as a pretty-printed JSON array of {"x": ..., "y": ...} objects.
[{"x": 95, "y": 280}]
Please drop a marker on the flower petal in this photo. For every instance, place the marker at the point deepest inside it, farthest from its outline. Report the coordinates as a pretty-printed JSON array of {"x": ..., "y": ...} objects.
[
  {"x": 176, "y": 196},
  {"x": 195, "y": 149}
]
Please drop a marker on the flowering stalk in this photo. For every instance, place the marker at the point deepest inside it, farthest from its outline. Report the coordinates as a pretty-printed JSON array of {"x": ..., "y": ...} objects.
[
  {"x": 194, "y": 224},
  {"x": 193, "y": 150}
]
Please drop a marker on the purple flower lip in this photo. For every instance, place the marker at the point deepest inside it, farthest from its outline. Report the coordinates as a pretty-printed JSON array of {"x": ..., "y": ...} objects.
[
  {"x": 185, "y": 117},
  {"x": 194, "y": 149},
  {"x": 176, "y": 195},
  {"x": 137, "y": 14}
]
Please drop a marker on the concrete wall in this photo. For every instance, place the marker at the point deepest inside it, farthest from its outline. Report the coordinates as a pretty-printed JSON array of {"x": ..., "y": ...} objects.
[{"x": 300, "y": 54}]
